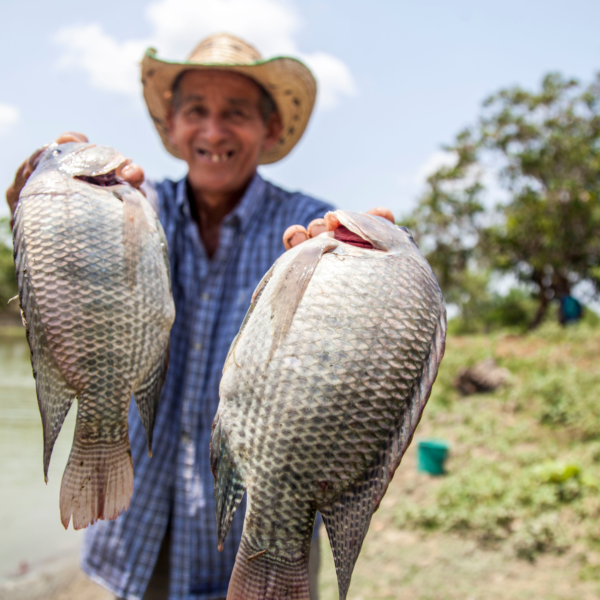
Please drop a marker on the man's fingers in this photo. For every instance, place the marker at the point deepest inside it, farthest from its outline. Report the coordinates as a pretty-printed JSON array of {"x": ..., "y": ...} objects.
[
  {"x": 380, "y": 211},
  {"x": 133, "y": 175},
  {"x": 71, "y": 136},
  {"x": 316, "y": 227},
  {"x": 294, "y": 235}
]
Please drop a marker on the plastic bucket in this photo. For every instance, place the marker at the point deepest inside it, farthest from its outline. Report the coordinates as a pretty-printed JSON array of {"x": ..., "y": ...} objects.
[{"x": 432, "y": 455}]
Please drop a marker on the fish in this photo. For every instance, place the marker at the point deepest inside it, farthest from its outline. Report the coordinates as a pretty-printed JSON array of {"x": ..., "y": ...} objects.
[
  {"x": 320, "y": 396},
  {"x": 94, "y": 287}
]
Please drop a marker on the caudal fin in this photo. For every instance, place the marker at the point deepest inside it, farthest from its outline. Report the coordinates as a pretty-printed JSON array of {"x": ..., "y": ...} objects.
[
  {"x": 97, "y": 482},
  {"x": 258, "y": 575}
]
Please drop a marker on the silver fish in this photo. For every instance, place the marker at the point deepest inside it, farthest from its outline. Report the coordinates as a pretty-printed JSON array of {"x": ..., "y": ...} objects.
[
  {"x": 321, "y": 393},
  {"x": 94, "y": 286}
]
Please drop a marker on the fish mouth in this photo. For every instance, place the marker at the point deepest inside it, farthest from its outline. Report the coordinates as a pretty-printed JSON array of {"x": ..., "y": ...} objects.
[
  {"x": 343, "y": 234},
  {"x": 103, "y": 180}
]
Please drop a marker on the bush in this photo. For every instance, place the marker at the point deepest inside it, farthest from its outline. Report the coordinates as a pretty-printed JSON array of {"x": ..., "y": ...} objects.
[
  {"x": 494, "y": 501},
  {"x": 484, "y": 312}
]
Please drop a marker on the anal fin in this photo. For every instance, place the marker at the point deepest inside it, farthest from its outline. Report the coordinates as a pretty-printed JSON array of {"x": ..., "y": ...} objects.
[
  {"x": 229, "y": 486},
  {"x": 347, "y": 522},
  {"x": 147, "y": 396}
]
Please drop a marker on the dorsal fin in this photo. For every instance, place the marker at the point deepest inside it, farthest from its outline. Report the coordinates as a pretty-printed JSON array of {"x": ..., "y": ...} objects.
[
  {"x": 347, "y": 519},
  {"x": 292, "y": 284}
]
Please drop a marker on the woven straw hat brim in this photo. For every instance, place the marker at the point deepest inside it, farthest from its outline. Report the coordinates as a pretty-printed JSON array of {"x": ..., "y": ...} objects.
[{"x": 290, "y": 83}]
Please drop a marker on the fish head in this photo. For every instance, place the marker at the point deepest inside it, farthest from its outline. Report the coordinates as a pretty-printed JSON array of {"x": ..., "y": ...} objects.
[
  {"x": 83, "y": 161},
  {"x": 368, "y": 231}
]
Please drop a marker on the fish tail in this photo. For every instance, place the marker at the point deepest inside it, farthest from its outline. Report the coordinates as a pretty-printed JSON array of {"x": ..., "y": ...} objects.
[
  {"x": 258, "y": 575},
  {"x": 97, "y": 482}
]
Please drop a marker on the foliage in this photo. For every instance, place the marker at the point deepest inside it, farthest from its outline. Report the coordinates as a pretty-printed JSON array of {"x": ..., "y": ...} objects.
[
  {"x": 8, "y": 283},
  {"x": 485, "y": 311},
  {"x": 546, "y": 147},
  {"x": 524, "y": 468}
]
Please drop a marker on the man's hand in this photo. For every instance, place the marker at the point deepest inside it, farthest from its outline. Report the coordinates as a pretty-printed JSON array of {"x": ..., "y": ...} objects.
[
  {"x": 131, "y": 173},
  {"x": 296, "y": 234}
]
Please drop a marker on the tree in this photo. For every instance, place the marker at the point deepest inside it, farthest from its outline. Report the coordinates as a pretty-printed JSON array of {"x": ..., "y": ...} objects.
[{"x": 547, "y": 234}]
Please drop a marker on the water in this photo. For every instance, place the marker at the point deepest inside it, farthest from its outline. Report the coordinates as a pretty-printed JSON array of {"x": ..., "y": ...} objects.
[{"x": 30, "y": 528}]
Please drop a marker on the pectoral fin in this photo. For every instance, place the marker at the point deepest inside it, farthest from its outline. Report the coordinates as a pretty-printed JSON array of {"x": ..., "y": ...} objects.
[{"x": 292, "y": 284}]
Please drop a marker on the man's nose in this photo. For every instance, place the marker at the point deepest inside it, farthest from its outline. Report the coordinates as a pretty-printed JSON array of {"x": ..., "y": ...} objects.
[{"x": 214, "y": 130}]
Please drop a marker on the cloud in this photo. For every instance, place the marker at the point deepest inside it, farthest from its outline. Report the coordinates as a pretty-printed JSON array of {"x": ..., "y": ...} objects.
[
  {"x": 177, "y": 25},
  {"x": 110, "y": 65},
  {"x": 9, "y": 115}
]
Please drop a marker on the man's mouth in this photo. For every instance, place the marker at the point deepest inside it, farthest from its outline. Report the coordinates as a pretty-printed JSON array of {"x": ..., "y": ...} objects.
[{"x": 215, "y": 157}]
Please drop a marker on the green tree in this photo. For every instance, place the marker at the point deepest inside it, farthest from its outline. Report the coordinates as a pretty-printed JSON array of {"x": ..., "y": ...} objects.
[{"x": 547, "y": 234}]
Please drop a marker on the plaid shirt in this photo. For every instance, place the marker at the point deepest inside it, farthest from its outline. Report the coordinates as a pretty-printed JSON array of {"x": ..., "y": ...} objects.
[{"x": 211, "y": 298}]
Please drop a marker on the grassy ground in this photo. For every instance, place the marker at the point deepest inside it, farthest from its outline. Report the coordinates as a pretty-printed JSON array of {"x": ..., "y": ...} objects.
[{"x": 518, "y": 514}]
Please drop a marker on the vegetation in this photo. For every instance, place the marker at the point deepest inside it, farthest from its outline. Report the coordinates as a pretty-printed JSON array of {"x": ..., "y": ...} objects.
[
  {"x": 544, "y": 147},
  {"x": 8, "y": 282},
  {"x": 526, "y": 459}
]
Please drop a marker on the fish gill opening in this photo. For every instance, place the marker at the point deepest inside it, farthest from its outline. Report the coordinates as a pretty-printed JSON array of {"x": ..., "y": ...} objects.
[{"x": 104, "y": 180}]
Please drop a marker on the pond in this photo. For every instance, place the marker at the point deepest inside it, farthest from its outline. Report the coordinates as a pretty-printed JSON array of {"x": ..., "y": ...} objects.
[{"x": 31, "y": 531}]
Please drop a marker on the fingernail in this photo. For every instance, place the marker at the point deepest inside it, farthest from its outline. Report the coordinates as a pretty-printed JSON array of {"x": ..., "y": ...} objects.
[{"x": 298, "y": 238}]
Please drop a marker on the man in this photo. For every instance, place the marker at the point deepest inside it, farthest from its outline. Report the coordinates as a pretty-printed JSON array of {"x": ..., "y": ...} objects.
[{"x": 224, "y": 112}]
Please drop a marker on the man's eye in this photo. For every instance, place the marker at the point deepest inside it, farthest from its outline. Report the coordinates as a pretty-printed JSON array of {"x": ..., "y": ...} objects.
[{"x": 196, "y": 111}]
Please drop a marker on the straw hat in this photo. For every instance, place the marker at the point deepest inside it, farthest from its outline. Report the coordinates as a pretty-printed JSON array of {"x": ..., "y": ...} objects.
[{"x": 289, "y": 82}]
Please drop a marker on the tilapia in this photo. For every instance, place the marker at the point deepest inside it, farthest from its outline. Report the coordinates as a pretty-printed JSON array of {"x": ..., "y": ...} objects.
[
  {"x": 321, "y": 393},
  {"x": 94, "y": 286}
]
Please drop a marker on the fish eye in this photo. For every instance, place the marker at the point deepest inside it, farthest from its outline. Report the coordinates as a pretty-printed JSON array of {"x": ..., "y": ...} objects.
[{"x": 56, "y": 152}]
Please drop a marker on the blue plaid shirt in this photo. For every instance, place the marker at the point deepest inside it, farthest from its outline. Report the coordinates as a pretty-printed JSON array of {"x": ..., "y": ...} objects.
[{"x": 211, "y": 298}]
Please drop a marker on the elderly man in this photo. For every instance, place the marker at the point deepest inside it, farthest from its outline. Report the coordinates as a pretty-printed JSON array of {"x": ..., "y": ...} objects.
[{"x": 224, "y": 112}]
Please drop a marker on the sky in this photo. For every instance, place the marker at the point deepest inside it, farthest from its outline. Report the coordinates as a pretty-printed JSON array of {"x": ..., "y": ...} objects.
[{"x": 397, "y": 79}]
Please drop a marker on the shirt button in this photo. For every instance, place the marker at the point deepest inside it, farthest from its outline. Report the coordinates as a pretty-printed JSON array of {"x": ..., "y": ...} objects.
[
  {"x": 205, "y": 296},
  {"x": 185, "y": 438},
  {"x": 197, "y": 346}
]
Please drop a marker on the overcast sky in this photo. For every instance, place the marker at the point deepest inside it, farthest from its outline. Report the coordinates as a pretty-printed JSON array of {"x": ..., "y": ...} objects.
[{"x": 397, "y": 79}]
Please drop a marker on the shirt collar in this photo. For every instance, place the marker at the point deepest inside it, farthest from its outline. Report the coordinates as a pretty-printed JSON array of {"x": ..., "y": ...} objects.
[{"x": 242, "y": 213}]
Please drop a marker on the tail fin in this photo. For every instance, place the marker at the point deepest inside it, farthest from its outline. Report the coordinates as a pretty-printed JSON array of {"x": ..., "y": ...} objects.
[
  {"x": 258, "y": 575},
  {"x": 97, "y": 482}
]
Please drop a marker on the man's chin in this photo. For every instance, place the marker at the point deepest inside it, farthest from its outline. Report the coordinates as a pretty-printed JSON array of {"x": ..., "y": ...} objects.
[{"x": 218, "y": 179}]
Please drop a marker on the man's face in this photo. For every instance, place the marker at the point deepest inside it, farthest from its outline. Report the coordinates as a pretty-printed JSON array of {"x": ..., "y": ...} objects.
[{"x": 219, "y": 131}]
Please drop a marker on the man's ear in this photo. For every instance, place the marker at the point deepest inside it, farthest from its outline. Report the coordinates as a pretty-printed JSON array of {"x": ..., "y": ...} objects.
[{"x": 274, "y": 129}]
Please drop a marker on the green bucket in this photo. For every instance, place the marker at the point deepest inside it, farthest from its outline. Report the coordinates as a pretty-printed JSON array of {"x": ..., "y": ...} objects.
[{"x": 432, "y": 455}]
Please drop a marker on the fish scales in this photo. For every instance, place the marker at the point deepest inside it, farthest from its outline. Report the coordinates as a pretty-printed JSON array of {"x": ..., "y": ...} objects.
[
  {"x": 98, "y": 317},
  {"x": 326, "y": 412}
]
